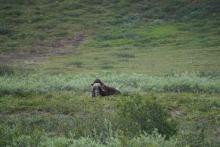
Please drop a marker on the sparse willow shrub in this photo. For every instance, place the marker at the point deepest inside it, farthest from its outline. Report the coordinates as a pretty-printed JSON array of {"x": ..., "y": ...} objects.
[
  {"x": 17, "y": 136},
  {"x": 154, "y": 139},
  {"x": 78, "y": 64},
  {"x": 104, "y": 132},
  {"x": 5, "y": 136},
  {"x": 197, "y": 134},
  {"x": 137, "y": 114},
  {"x": 106, "y": 66},
  {"x": 95, "y": 123},
  {"x": 210, "y": 74},
  {"x": 144, "y": 140},
  {"x": 54, "y": 124},
  {"x": 99, "y": 129},
  {"x": 32, "y": 139},
  {"x": 4, "y": 30},
  {"x": 124, "y": 55},
  {"x": 70, "y": 142},
  {"x": 55, "y": 142},
  {"x": 6, "y": 70}
]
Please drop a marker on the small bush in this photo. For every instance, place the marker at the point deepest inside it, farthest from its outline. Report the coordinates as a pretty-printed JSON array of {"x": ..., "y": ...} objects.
[
  {"x": 4, "y": 30},
  {"x": 125, "y": 55},
  {"x": 15, "y": 136},
  {"x": 6, "y": 70},
  {"x": 154, "y": 140},
  {"x": 107, "y": 66},
  {"x": 78, "y": 64},
  {"x": 137, "y": 115},
  {"x": 197, "y": 134}
]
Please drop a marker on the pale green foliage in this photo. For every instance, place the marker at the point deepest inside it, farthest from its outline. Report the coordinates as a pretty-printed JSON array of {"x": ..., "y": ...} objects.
[
  {"x": 154, "y": 140},
  {"x": 127, "y": 83}
]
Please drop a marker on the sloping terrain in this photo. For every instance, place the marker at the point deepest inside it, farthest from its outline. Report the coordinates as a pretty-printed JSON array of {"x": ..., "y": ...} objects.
[
  {"x": 162, "y": 55},
  {"x": 162, "y": 36}
]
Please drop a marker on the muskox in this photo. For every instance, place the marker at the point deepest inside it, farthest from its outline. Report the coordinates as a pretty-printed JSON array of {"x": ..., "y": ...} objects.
[{"x": 100, "y": 89}]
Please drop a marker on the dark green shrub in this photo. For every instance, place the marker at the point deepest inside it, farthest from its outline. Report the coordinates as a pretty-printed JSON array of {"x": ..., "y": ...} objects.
[
  {"x": 96, "y": 125},
  {"x": 6, "y": 70},
  {"x": 125, "y": 55},
  {"x": 197, "y": 134},
  {"x": 106, "y": 66},
  {"x": 137, "y": 115},
  {"x": 16, "y": 135},
  {"x": 78, "y": 64},
  {"x": 4, "y": 30}
]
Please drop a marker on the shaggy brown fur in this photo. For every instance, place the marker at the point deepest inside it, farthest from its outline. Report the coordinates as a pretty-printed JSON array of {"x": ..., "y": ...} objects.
[{"x": 100, "y": 89}]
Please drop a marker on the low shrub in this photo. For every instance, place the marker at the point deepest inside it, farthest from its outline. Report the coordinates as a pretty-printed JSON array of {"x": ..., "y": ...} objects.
[
  {"x": 4, "y": 30},
  {"x": 137, "y": 114},
  {"x": 15, "y": 136},
  {"x": 197, "y": 134},
  {"x": 154, "y": 140},
  {"x": 6, "y": 70},
  {"x": 78, "y": 64}
]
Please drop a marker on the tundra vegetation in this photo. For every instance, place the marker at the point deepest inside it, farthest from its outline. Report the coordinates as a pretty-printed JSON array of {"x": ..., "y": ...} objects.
[{"x": 162, "y": 55}]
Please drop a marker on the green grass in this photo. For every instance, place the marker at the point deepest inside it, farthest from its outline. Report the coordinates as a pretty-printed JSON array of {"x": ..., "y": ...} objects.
[
  {"x": 154, "y": 49},
  {"x": 162, "y": 55},
  {"x": 30, "y": 115},
  {"x": 43, "y": 83},
  {"x": 47, "y": 105},
  {"x": 158, "y": 44}
]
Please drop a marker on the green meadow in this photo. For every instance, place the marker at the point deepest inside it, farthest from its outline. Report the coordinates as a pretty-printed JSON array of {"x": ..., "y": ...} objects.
[{"x": 162, "y": 55}]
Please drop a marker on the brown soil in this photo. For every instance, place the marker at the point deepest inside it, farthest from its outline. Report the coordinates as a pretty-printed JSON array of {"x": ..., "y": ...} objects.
[{"x": 63, "y": 46}]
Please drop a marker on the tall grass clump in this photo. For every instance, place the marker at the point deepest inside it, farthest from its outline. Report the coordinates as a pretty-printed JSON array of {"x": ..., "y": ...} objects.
[
  {"x": 197, "y": 134},
  {"x": 6, "y": 70},
  {"x": 155, "y": 140},
  {"x": 15, "y": 136},
  {"x": 4, "y": 30}
]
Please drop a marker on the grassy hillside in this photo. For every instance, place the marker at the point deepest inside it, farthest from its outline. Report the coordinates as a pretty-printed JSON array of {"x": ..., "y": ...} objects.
[
  {"x": 162, "y": 55},
  {"x": 149, "y": 37}
]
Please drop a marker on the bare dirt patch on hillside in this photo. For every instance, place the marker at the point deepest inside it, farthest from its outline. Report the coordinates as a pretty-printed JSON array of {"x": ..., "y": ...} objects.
[{"x": 42, "y": 51}]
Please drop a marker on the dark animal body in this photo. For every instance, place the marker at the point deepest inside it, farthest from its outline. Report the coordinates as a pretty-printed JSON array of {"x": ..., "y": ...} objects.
[{"x": 100, "y": 89}]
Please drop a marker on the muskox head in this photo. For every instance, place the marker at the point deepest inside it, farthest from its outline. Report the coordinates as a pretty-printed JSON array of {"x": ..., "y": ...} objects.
[{"x": 96, "y": 89}]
